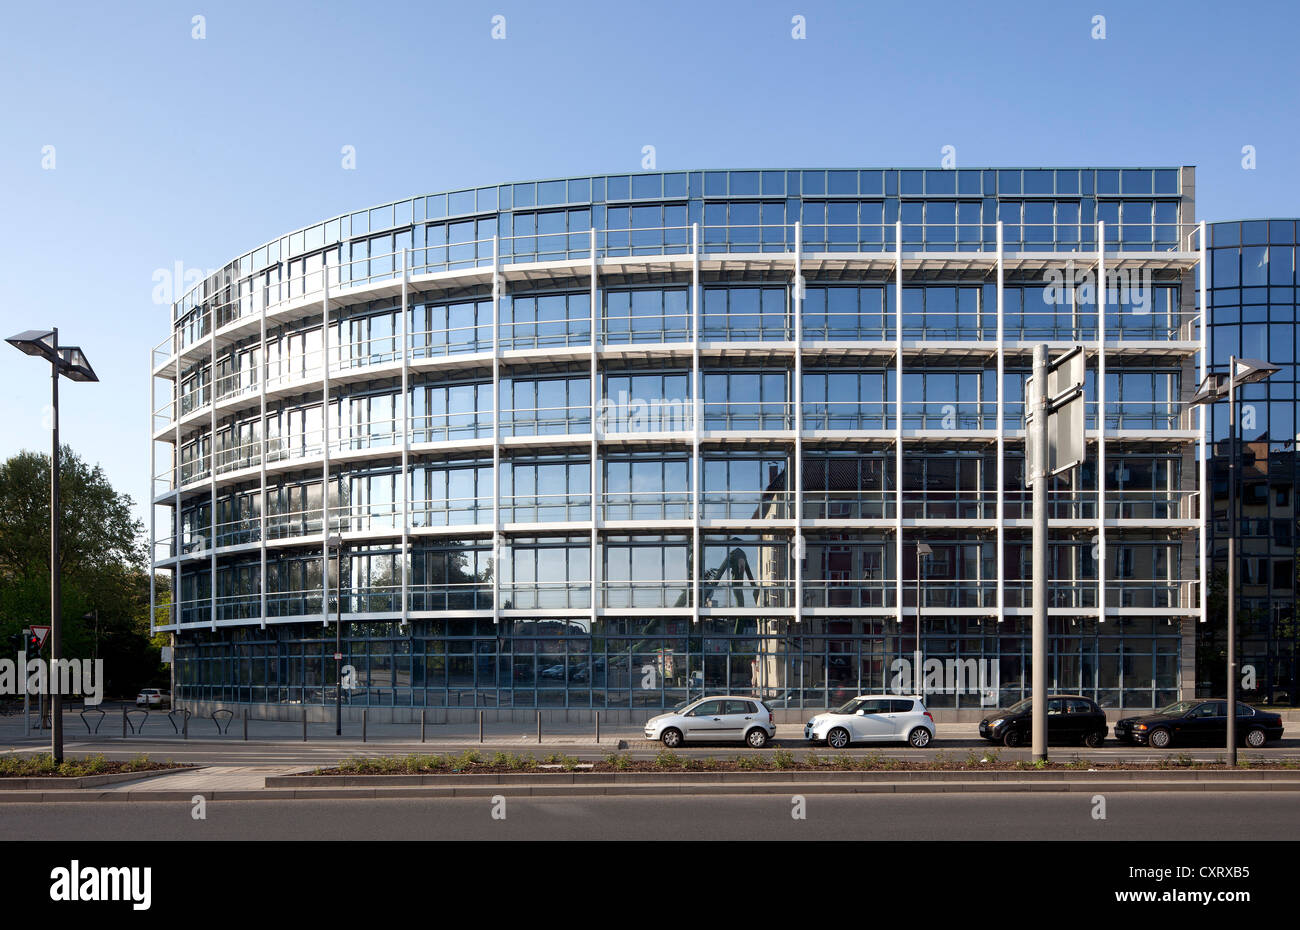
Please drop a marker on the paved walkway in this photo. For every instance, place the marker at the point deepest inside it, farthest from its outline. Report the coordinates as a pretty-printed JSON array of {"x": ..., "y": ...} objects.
[{"x": 208, "y": 778}]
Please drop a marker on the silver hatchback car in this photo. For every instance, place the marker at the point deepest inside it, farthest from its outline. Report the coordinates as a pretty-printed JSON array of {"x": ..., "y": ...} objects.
[
  {"x": 725, "y": 717},
  {"x": 874, "y": 718}
]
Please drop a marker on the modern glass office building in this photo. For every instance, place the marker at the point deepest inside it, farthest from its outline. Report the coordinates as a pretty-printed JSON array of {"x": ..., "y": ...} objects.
[
  {"x": 610, "y": 442},
  {"x": 1253, "y": 315}
]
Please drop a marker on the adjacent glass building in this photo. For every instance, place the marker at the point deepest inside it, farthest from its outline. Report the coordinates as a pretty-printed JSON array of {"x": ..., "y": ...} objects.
[
  {"x": 1253, "y": 315},
  {"x": 610, "y": 442}
]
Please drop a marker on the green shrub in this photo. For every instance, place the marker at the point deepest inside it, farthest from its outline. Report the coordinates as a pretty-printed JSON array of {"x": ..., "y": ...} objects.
[
  {"x": 667, "y": 759},
  {"x": 619, "y": 760}
]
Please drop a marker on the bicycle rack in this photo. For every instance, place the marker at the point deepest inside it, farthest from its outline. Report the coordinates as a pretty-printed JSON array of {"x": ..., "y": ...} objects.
[
  {"x": 131, "y": 723},
  {"x": 171, "y": 717},
  {"x": 98, "y": 721},
  {"x": 223, "y": 714}
]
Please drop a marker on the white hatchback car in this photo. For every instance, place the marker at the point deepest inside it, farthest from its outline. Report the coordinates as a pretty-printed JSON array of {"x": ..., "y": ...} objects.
[
  {"x": 874, "y": 718},
  {"x": 728, "y": 717},
  {"x": 152, "y": 697}
]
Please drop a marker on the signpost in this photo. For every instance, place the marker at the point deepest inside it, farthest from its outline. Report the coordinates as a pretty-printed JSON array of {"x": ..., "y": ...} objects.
[
  {"x": 1054, "y": 443},
  {"x": 27, "y": 698}
]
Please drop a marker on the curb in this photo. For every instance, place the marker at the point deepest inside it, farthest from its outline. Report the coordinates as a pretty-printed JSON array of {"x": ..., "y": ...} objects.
[
  {"x": 1005, "y": 776},
  {"x": 44, "y": 782},
  {"x": 643, "y": 790}
]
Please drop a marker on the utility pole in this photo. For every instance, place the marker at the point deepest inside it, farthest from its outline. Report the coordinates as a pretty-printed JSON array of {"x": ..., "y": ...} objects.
[
  {"x": 1054, "y": 443},
  {"x": 1214, "y": 388},
  {"x": 1038, "y": 436},
  {"x": 1233, "y": 528}
]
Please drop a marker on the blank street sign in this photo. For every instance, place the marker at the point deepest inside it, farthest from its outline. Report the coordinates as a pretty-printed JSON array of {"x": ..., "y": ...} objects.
[{"x": 1065, "y": 422}]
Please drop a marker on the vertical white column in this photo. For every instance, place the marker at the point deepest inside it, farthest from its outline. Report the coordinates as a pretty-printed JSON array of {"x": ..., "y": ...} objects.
[
  {"x": 593, "y": 394},
  {"x": 153, "y": 494},
  {"x": 406, "y": 438},
  {"x": 261, "y": 471},
  {"x": 1002, "y": 442},
  {"x": 796, "y": 303},
  {"x": 212, "y": 460},
  {"x": 1101, "y": 422},
  {"x": 176, "y": 484},
  {"x": 498, "y": 550},
  {"x": 325, "y": 452},
  {"x": 697, "y": 416},
  {"x": 1203, "y": 422},
  {"x": 898, "y": 428}
]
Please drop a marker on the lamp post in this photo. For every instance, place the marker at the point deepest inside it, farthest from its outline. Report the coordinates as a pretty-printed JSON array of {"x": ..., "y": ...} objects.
[
  {"x": 335, "y": 544},
  {"x": 918, "y": 675},
  {"x": 1214, "y": 388},
  {"x": 70, "y": 362}
]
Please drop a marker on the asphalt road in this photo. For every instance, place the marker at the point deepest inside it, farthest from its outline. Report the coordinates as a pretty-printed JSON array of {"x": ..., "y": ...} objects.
[{"x": 1129, "y": 816}]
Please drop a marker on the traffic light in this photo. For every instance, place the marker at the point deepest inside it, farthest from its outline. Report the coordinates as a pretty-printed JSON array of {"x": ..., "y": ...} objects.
[
  {"x": 33, "y": 643},
  {"x": 16, "y": 643}
]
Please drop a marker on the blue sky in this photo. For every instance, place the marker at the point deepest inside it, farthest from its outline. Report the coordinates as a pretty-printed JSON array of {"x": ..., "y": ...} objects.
[{"x": 170, "y": 149}]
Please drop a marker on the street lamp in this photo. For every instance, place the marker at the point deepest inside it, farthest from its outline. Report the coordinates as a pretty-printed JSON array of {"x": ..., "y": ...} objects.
[
  {"x": 335, "y": 545},
  {"x": 70, "y": 362},
  {"x": 1215, "y": 387},
  {"x": 918, "y": 676}
]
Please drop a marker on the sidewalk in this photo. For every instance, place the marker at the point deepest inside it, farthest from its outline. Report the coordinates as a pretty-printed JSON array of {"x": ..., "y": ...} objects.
[{"x": 209, "y": 778}]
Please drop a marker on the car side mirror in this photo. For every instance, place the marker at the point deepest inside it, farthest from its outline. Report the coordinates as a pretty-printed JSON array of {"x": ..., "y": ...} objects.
[{"x": 861, "y": 713}]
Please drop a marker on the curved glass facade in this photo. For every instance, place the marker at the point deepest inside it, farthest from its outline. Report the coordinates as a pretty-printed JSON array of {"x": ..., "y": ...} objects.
[
  {"x": 1253, "y": 303},
  {"x": 614, "y": 441}
]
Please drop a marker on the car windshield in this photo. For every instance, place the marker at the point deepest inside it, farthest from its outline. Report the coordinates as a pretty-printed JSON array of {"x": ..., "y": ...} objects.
[
  {"x": 851, "y": 707},
  {"x": 1178, "y": 708},
  {"x": 1020, "y": 706}
]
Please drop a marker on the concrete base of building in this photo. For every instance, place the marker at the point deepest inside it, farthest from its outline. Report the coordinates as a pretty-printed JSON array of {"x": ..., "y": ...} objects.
[{"x": 551, "y": 716}]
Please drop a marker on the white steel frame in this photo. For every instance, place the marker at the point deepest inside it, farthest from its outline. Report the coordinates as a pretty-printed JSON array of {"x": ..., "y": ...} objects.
[{"x": 794, "y": 264}]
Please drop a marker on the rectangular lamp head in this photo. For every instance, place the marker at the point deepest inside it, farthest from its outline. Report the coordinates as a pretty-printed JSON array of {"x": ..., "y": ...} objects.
[
  {"x": 38, "y": 342},
  {"x": 74, "y": 365}
]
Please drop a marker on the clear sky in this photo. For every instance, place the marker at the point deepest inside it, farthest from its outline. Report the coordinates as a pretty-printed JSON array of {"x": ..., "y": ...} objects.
[{"x": 170, "y": 149}]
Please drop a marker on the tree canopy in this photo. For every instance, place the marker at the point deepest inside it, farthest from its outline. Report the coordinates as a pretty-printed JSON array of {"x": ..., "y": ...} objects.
[{"x": 102, "y": 565}]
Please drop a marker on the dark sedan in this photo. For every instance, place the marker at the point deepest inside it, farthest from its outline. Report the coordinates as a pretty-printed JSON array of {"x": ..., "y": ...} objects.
[
  {"x": 1071, "y": 718},
  {"x": 1199, "y": 722}
]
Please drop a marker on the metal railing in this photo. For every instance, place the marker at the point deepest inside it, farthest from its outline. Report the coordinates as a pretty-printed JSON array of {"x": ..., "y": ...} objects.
[{"x": 308, "y": 274}]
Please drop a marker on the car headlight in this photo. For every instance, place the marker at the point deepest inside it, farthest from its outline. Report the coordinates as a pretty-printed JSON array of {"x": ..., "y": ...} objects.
[
  {"x": 1140, "y": 726},
  {"x": 997, "y": 723}
]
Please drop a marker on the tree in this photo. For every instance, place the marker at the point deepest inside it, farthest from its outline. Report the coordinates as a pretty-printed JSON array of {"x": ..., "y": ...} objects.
[{"x": 101, "y": 559}]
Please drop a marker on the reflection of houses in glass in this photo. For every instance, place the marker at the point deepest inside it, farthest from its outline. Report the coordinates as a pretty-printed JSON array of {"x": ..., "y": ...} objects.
[
  {"x": 1253, "y": 302},
  {"x": 609, "y": 442}
]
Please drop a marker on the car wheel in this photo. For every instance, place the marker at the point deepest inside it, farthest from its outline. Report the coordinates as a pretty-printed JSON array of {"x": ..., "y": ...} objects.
[
  {"x": 1011, "y": 738},
  {"x": 919, "y": 737},
  {"x": 1094, "y": 739},
  {"x": 1160, "y": 738},
  {"x": 837, "y": 738},
  {"x": 671, "y": 737},
  {"x": 1256, "y": 738},
  {"x": 756, "y": 738}
]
